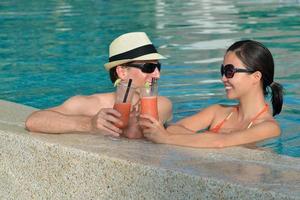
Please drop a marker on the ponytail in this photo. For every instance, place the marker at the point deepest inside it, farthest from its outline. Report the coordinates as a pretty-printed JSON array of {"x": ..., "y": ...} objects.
[{"x": 277, "y": 97}]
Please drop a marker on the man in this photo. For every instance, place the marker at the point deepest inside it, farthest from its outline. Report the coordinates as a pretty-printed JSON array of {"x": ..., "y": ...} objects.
[{"x": 131, "y": 56}]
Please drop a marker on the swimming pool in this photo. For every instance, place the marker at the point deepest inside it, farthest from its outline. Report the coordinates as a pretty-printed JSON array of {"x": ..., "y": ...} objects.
[{"x": 52, "y": 50}]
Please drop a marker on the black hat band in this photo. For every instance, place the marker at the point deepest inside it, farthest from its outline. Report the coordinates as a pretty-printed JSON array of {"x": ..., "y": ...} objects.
[{"x": 134, "y": 53}]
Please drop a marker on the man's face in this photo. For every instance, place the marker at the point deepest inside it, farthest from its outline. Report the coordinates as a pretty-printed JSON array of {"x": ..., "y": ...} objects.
[{"x": 135, "y": 72}]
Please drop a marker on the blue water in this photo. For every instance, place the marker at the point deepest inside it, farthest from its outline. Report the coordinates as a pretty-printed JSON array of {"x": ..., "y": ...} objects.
[{"x": 51, "y": 50}]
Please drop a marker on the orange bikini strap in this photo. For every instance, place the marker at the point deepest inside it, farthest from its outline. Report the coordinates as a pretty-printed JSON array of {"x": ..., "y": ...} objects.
[
  {"x": 265, "y": 108},
  {"x": 218, "y": 126}
]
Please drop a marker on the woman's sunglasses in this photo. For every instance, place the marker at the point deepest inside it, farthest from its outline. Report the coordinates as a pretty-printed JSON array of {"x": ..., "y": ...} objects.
[
  {"x": 229, "y": 70},
  {"x": 145, "y": 67}
]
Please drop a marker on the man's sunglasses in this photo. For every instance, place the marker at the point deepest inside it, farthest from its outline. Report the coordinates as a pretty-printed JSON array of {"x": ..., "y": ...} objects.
[
  {"x": 229, "y": 70},
  {"x": 145, "y": 67}
]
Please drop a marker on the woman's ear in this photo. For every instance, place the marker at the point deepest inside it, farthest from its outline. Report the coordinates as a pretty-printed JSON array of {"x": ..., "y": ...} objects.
[
  {"x": 122, "y": 72},
  {"x": 257, "y": 76}
]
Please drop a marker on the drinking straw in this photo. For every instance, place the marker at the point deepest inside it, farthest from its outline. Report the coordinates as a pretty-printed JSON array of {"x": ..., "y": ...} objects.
[
  {"x": 153, "y": 80},
  {"x": 127, "y": 90}
]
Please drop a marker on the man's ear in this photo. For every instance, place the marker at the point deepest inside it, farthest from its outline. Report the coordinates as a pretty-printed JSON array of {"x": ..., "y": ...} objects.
[{"x": 122, "y": 72}]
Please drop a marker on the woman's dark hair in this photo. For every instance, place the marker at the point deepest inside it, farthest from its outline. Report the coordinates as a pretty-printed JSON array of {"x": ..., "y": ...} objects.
[{"x": 258, "y": 58}]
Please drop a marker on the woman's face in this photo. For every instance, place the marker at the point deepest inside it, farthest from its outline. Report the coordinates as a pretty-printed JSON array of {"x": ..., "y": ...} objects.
[{"x": 239, "y": 84}]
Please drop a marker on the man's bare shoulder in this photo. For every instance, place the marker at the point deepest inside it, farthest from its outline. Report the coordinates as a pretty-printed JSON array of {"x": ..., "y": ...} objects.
[
  {"x": 164, "y": 100},
  {"x": 165, "y": 109},
  {"x": 93, "y": 99},
  {"x": 165, "y": 104},
  {"x": 86, "y": 105},
  {"x": 103, "y": 98},
  {"x": 98, "y": 101}
]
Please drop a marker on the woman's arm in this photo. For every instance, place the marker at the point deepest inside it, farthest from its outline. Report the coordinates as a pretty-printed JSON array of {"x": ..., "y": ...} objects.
[
  {"x": 179, "y": 129},
  {"x": 156, "y": 133},
  {"x": 194, "y": 123}
]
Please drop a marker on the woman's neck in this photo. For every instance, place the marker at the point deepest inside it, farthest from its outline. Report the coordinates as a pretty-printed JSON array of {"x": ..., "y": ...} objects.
[{"x": 250, "y": 105}]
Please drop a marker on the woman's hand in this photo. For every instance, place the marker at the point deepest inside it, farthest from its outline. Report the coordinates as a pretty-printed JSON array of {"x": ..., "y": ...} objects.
[{"x": 153, "y": 130}]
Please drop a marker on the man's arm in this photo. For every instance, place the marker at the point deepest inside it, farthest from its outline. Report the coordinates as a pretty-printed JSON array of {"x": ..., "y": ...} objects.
[
  {"x": 49, "y": 121},
  {"x": 75, "y": 115}
]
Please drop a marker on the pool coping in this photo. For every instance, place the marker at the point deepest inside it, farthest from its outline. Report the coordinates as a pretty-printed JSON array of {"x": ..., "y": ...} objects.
[{"x": 73, "y": 166}]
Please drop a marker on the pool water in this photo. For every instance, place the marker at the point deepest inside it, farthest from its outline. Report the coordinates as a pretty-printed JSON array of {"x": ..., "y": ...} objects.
[{"x": 52, "y": 50}]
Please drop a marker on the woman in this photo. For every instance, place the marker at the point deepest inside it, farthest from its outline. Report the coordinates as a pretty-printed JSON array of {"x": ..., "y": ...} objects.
[{"x": 247, "y": 74}]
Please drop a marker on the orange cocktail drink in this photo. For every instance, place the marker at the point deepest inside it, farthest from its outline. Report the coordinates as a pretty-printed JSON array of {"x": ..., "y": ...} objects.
[
  {"x": 124, "y": 110},
  {"x": 149, "y": 99},
  {"x": 149, "y": 106},
  {"x": 124, "y": 94}
]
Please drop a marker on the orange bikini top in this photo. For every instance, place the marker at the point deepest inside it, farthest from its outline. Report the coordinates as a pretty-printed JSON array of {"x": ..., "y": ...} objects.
[{"x": 218, "y": 126}]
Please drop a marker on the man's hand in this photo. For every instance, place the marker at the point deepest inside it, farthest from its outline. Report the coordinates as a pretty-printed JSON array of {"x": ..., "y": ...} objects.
[
  {"x": 133, "y": 131},
  {"x": 104, "y": 122}
]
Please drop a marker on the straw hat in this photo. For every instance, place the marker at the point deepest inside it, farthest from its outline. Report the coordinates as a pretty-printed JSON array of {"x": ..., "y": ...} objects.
[{"x": 131, "y": 47}]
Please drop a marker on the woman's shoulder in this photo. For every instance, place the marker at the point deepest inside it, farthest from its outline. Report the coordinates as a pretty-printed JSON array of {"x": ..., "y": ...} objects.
[
  {"x": 269, "y": 127},
  {"x": 267, "y": 120},
  {"x": 215, "y": 111},
  {"x": 220, "y": 108}
]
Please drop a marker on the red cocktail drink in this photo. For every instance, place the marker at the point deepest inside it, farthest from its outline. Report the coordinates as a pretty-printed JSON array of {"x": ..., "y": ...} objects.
[
  {"x": 124, "y": 109},
  {"x": 149, "y": 106}
]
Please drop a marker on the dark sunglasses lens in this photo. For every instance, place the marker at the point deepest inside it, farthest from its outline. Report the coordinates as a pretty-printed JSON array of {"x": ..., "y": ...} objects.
[
  {"x": 150, "y": 67},
  {"x": 229, "y": 71}
]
